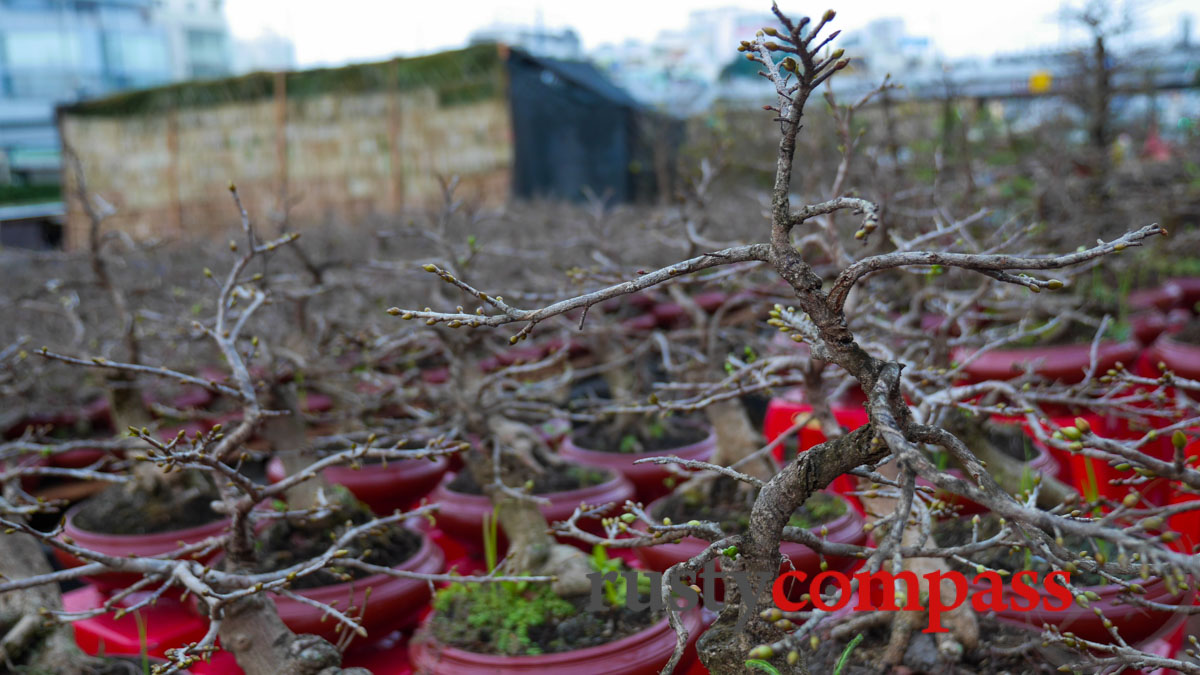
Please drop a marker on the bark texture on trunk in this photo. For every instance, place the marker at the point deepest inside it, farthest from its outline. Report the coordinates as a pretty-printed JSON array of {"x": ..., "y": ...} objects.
[
  {"x": 252, "y": 630},
  {"x": 531, "y": 548},
  {"x": 25, "y": 639},
  {"x": 722, "y": 648},
  {"x": 737, "y": 439},
  {"x": 263, "y": 645}
]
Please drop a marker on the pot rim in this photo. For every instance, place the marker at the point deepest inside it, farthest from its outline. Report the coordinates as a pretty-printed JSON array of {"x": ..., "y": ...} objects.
[
  {"x": 615, "y": 479},
  {"x": 851, "y": 520},
  {"x": 424, "y": 640},
  {"x": 703, "y": 445},
  {"x": 428, "y": 553},
  {"x": 77, "y": 532}
]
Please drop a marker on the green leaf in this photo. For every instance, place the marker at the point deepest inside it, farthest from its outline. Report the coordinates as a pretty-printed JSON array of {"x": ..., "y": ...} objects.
[
  {"x": 758, "y": 664},
  {"x": 841, "y": 662},
  {"x": 628, "y": 443}
]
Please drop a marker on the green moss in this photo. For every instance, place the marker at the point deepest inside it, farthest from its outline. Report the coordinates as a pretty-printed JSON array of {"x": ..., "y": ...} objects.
[
  {"x": 457, "y": 77},
  {"x": 504, "y": 612},
  {"x": 498, "y": 618},
  {"x": 820, "y": 508}
]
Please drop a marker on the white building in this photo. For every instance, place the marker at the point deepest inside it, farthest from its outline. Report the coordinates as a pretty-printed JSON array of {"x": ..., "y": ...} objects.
[
  {"x": 54, "y": 52},
  {"x": 556, "y": 44},
  {"x": 884, "y": 46},
  {"x": 268, "y": 51},
  {"x": 679, "y": 69},
  {"x": 197, "y": 36}
]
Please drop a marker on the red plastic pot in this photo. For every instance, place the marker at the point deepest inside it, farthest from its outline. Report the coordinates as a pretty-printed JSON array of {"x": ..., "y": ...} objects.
[
  {"x": 931, "y": 323},
  {"x": 640, "y": 323},
  {"x": 1162, "y": 298},
  {"x": 1136, "y": 624},
  {"x": 711, "y": 301},
  {"x": 1156, "y": 491},
  {"x": 1089, "y": 475},
  {"x": 388, "y": 656},
  {"x": 647, "y": 478},
  {"x": 166, "y": 624},
  {"x": 1062, "y": 458},
  {"x": 79, "y": 458},
  {"x": 125, "y": 545},
  {"x": 313, "y": 402},
  {"x": 461, "y": 515},
  {"x": 644, "y": 300},
  {"x": 782, "y": 413},
  {"x": 1181, "y": 358},
  {"x": 190, "y": 397},
  {"x": 1187, "y": 524},
  {"x": 71, "y": 459},
  {"x": 643, "y": 653},
  {"x": 398, "y": 485},
  {"x": 61, "y": 418},
  {"x": 845, "y": 529},
  {"x": 1187, "y": 290},
  {"x": 20, "y": 465},
  {"x": 1043, "y": 463},
  {"x": 1166, "y": 647},
  {"x": 440, "y": 375},
  {"x": 670, "y": 315},
  {"x": 1064, "y": 363},
  {"x": 394, "y": 603},
  {"x": 512, "y": 355},
  {"x": 1148, "y": 325}
]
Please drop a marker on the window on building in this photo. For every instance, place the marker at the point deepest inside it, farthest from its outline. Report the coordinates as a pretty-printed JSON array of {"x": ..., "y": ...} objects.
[
  {"x": 207, "y": 53},
  {"x": 43, "y": 49},
  {"x": 134, "y": 54}
]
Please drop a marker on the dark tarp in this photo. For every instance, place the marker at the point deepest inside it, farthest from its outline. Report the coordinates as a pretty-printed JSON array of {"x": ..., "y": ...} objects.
[{"x": 573, "y": 130}]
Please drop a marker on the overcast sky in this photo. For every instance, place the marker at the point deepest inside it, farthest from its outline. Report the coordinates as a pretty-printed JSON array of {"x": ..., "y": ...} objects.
[{"x": 342, "y": 31}]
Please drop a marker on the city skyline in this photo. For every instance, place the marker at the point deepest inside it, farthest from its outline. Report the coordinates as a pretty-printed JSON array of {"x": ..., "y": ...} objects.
[{"x": 364, "y": 30}]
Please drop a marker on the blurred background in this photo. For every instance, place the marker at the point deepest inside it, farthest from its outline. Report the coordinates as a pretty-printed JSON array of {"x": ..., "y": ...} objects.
[{"x": 356, "y": 108}]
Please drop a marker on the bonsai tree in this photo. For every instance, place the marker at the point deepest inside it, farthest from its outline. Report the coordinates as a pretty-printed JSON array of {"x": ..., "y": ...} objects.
[
  {"x": 234, "y": 596},
  {"x": 892, "y": 448},
  {"x": 849, "y": 297}
]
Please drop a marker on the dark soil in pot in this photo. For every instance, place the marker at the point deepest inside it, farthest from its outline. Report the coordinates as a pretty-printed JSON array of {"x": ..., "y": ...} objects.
[
  {"x": 1189, "y": 334},
  {"x": 957, "y": 531},
  {"x": 106, "y": 665},
  {"x": 1178, "y": 350},
  {"x": 286, "y": 542},
  {"x": 146, "y": 521},
  {"x": 184, "y": 502},
  {"x": 384, "y": 486},
  {"x": 68, "y": 428},
  {"x": 484, "y": 621},
  {"x": 464, "y": 507},
  {"x": 1136, "y": 624},
  {"x": 655, "y": 437},
  {"x": 1074, "y": 333},
  {"x": 730, "y": 509},
  {"x": 756, "y": 408},
  {"x": 1010, "y": 440},
  {"x": 621, "y": 446},
  {"x": 825, "y": 514},
  {"x": 1062, "y": 354},
  {"x": 998, "y": 654},
  {"x": 554, "y": 479}
]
